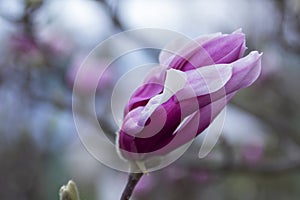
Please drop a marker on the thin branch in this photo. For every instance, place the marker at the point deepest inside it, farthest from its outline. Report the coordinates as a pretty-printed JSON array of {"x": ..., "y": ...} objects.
[
  {"x": 112, "y": 10},
  {"x": 133, "y": 179}
]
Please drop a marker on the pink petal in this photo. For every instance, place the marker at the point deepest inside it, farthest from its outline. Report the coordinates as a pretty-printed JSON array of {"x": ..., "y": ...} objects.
[
  {"x": 245, "y": 71},
  {"x": 179, "y": 46},
  {"x": 218, "y": 50}
]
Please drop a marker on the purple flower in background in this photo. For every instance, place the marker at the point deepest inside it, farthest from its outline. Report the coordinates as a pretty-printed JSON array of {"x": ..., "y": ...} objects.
[
  {"x": 88, "y": 76},
  {"x": 184, "y": 94},
  {"x": 22, "y": 43},
  {"x": 253, "y": 153}
]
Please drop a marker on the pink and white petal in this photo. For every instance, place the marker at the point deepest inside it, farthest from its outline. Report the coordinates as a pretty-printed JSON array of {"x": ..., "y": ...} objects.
[
  {"x": 156, "y": 75},
  {"x": 172, "y": 48},
  {"x": 179, "y": 46},
  {"x": 218, "y": 50},
  {"x": 142, "y": 95},
  {"x": 245, "y": 71},
  {"x": 153, "y": 85},
  {"x": 188, "y": 85},
  {"x": 194, "y": 125},
  {"x": 205, "y": 80},
  {"x": 244, "y": 47},
  {"x": 225, "y": 46},
  {"x": 175, "y": 81},
  {"x": 134, "y": 123}
]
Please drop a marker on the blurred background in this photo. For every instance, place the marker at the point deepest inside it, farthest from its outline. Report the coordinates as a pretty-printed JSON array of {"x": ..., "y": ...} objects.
[{"x": 43, "y": 42}]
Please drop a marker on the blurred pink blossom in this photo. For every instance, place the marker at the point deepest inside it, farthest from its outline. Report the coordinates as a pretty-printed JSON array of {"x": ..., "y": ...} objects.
[
  {"x": 252, "y": 153},
  {"x": 174, "y": 173},
  {"x": 200, "y": 176},
  {"x": 93, "y": 72},
  {"x": 22, "y": 43}
]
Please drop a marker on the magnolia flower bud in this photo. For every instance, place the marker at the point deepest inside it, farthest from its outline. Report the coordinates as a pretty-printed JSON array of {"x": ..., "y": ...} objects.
[{"x": 183, "y": 95}]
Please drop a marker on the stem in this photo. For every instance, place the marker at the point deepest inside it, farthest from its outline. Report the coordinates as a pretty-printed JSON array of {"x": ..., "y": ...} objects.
[{"x": 133, "y": 179}]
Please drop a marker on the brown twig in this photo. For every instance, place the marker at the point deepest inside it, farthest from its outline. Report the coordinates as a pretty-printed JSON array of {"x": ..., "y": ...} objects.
[{"x": 133, "y": 179}]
